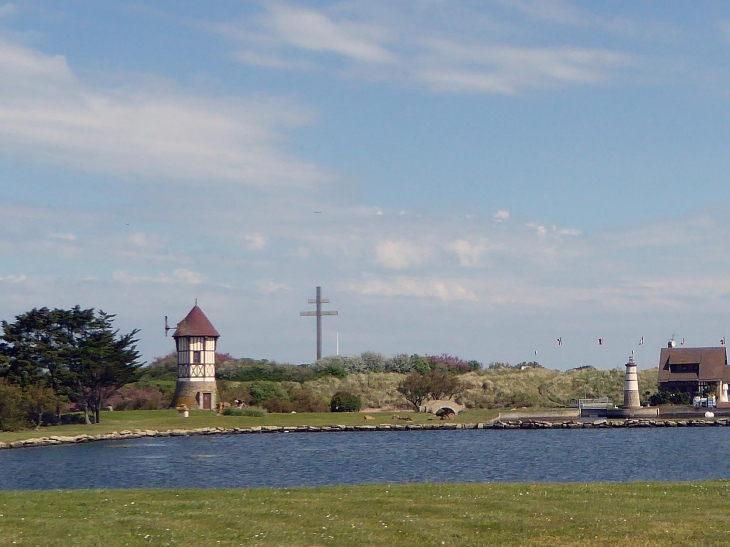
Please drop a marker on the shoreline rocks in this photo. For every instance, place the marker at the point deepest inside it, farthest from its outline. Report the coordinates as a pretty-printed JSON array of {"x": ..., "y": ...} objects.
[{"x": 496, "y": 425}]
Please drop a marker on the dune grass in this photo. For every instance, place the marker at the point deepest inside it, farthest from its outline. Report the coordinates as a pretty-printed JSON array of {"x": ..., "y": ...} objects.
[
  {"x": 169, "y": 419},
  {"x": 630, "y": 515}
]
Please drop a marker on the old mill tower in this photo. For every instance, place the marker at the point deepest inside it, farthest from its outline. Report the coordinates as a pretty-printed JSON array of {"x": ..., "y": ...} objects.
[{"x": 196, "y": 339}]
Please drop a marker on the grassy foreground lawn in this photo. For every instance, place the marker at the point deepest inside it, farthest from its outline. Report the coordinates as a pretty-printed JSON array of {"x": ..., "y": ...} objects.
[
  {"x": 168, "y": 419},
  {"x": 627, "y": 515}
]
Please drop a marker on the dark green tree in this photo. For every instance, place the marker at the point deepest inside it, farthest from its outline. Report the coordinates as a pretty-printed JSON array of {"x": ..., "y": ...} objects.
[
  {"x": 74, "y": 352},
  {"x": 101, "y": 362}
]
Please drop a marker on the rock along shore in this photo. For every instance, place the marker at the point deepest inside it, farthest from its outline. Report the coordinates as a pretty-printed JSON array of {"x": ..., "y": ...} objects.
[{"x": 496, "y": 425}]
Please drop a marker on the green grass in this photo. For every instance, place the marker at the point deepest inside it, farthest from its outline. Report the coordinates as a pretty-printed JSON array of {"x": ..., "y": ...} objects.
[
  {"x": 599, "y": 515},
  {"x": 169, "y": 419}
]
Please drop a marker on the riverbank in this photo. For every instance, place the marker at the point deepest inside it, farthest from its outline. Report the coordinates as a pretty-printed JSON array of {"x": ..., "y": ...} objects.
[
  {"x": 438, "y": 426},
  {"x": 558, "y": 515}
]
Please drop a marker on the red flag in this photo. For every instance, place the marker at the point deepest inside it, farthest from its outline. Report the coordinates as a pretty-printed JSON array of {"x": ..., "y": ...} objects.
[
  {"x": 600, "y": 341},
  {"x": 560, "y": 341}
]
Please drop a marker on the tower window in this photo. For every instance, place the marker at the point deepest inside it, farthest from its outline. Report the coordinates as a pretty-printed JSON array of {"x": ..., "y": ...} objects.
[{"x": 196, "y": 357}]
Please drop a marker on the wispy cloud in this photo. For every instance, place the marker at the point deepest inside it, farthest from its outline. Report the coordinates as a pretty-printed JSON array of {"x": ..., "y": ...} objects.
[
  {"x": 63, "y": 237},
  {"x": 312, "y": 30},
  {"x": 446, "y": 290},
  {"x": 144, "y": 131},
  {"x": 457, "y": 55},
  {"x": 478, "y": 68}
]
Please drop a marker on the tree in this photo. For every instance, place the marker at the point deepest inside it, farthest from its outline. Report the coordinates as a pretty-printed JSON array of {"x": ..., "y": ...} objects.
[
  {"x": 12, "y": 411},
  {"x": 443, "y": 385},
  {"x": 415, "y": 388},
  {"x": 102, "y": 362},
  {"x": 73, "y": 352},
  {"x": 435, "y": 384}
]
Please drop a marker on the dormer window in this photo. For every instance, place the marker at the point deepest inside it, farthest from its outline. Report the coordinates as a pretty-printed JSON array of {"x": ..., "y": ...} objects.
[{"x": 196, "y": 357}]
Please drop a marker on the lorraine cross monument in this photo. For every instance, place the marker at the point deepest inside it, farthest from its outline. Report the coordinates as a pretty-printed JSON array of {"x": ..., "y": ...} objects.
[{"x": 318, "y": 314}]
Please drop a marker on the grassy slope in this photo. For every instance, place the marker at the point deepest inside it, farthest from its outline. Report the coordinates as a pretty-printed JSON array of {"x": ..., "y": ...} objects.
[
  {"x": 630, "y": 515},
  {"x": 168, "y": 419},
  {"x": 507, "y": 388}
]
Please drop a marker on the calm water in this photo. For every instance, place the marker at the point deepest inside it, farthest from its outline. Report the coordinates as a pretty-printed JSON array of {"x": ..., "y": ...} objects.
[{"x": 309, "y": 459}]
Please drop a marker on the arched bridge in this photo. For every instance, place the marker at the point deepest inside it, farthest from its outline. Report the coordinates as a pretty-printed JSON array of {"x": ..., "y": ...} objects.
[{"x": 434, "y": 406}]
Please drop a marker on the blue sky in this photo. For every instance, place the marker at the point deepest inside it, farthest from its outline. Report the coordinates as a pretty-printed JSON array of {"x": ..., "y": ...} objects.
[{"x": 490, "y": 176}]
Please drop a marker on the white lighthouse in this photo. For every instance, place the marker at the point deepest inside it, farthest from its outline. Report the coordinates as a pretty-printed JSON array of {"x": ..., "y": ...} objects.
[
  {"x": 631, "y": 385},
  {"x": 196, "y": 339}
]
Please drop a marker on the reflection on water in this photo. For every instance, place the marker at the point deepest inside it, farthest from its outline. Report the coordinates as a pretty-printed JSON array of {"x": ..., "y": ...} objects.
[{"x": 310, "y": 459}]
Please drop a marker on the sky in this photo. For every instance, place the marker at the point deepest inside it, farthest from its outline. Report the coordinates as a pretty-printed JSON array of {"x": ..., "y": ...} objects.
[{"x": 464, "y": 177}]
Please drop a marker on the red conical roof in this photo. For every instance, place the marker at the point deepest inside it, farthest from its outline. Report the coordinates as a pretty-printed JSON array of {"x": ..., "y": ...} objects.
[{"x": 195, "y": 324}]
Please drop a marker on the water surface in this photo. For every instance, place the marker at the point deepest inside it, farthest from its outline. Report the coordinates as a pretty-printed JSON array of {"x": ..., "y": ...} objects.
[{"x": 311, "y": 459}]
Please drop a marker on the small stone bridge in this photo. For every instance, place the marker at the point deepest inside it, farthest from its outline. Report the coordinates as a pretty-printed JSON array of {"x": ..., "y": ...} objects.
[{"x": 434, "y": 406}]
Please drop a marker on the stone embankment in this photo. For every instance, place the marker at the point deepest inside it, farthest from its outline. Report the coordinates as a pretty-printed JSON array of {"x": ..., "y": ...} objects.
[{"x": 497, "y": 425}]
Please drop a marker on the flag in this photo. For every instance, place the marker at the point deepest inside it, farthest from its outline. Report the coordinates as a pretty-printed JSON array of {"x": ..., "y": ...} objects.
[
  {"x": 560, "y": 341},
  {"x": 600, "y": 341},
  {"x": 641, "y": 342},
  {"x": 722, "y": 341}
]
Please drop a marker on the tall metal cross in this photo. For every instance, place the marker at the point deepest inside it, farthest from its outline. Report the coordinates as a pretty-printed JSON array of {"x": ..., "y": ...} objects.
[{"x": 318, "y": 314}]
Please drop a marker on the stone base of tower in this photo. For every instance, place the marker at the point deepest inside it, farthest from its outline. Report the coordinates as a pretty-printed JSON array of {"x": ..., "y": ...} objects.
[
  {"x": 196, "y": 395},
  {"x": 631, "y": 399}
]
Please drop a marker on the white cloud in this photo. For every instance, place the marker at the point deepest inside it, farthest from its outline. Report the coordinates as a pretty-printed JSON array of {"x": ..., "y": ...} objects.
[
  {"x": 539, "y": 228},
  {"x": 181, "y": 275},
  {"x": 186, "y": 276},
  {"x": 446, "y": 290},
  {"x": 14, "y": 278},
  {"x": 63, "y": 237},
  {"x": 269, "y": 286},
  {"x": 312, "y": 30},
  {"x": 272, "y": 60},
  {"x": 398, "y": 255},
  {"x": 468, "y": 253},
  {"x": 501, "y": 215},
  {"x": 542, "y": 230},
  {"x": 145, "y": 132},
  {"x": 254, "y": 242}
]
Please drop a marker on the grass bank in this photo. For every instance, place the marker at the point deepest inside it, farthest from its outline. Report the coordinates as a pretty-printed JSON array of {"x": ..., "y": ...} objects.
[
  {"x": 630, "y": 515},
  {"x": 169, "y": 419}
]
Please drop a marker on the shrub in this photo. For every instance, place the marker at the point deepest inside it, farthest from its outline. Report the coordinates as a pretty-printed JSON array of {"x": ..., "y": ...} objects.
[
  {"x": 73, "y": 418},
  {"x": 278, "y": 405},
  {"x": 452, "y": 363},
  {"x": 250, "y": 370},
  {"x": 253, "y": 412},
  {"x": 304, "y": 400},
  {"x": 162, "y": 368},
  {"x": 263, "y": 391},
  {"x": 344, "y": 401},
  {"x": 666, "y": 397},
  {"x": 133, "y": 397}
]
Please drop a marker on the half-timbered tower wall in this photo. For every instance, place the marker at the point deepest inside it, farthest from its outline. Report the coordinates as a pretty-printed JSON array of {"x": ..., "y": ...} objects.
[{"x": 196, "y": 339}]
